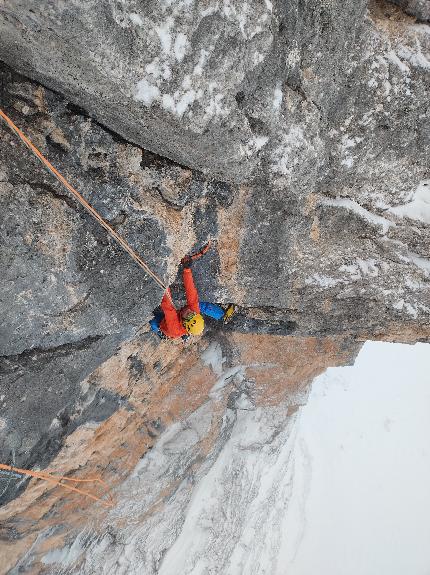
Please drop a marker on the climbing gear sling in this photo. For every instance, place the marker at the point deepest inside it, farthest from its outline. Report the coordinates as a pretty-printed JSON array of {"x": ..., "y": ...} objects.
[{"x": 117, "y": 237}]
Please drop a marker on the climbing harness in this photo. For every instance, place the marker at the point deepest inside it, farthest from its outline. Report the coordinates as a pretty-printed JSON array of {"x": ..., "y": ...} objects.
[
  {"x": 117, "y": 237},
  {"x": 59, "y": 480}
]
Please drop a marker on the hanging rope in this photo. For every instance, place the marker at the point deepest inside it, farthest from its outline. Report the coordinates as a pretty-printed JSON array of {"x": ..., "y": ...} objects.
[
  {"x": 59, "y": 479},
  {"x": 122, "y": 242}
]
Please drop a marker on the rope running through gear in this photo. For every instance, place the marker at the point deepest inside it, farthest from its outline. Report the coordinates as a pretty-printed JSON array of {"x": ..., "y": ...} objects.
[
  {"x": 122, "y": 242},
  {"x": 60, "y": 481}
]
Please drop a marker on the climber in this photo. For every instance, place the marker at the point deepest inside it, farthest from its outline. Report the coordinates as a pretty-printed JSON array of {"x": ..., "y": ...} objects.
[{"x": 189, "y": 320}]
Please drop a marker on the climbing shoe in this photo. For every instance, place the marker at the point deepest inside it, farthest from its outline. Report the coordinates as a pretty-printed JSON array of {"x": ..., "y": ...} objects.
[{"x": 229, "y": 312}]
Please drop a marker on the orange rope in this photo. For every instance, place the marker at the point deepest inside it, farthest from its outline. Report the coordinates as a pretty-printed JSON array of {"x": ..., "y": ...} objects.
[
  {"x": 83, "y": 202},
  {"x": 57, "y": 480}
]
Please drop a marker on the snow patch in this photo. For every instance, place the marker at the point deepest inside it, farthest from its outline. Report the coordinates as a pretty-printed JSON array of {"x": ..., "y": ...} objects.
[
  {"x": 353, "y": 206},
  {"x": 409, "y": 308},
  {"x": 323, "y": 281},
  {"x": 212, "y": 356},
  {"x": 412, "y": 284},
  {"x": 419, "y": 206},
  {"x": 348, "y": 162},
  {"x": 368, "y": 267},
  {"x": 136, "y": 19},
  {"x": 254, "y": 145},
  {"x": 346, "y": 144},
  {"x": 179, "y": 103},
  {"x": 419, "y": 261},
  {"x": 198, "y": 68},
  {"x": 362, "y": 268},
  {"x": 394, "y": 59},
  {"x": 180, "y": 46},
  {"x": 352, "y": 270},
  {"x": 293, "y": 57},
  {"x": 257, "y": 58},
  {"x": 157, "y": 70},
  {"x": 66, "y": 555},
  {"x": 285, "y": 156},
  {"x": 146, "y": 92},
  {"x": 165, "y": 35},
  {"x": 277, "y": 98},
  {"x": 237, "y": 372},
  {"x": 415, "y": 57}
]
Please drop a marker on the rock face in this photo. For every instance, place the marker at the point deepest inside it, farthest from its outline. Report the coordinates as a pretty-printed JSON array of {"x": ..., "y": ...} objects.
[
  {"x": 418, "y": 8},
  {"x": 329, "y": 220},
  {"x": 294, "y": 134},
  {"x": 182, "y": 409},
  {"x": 194, "y": 81}
]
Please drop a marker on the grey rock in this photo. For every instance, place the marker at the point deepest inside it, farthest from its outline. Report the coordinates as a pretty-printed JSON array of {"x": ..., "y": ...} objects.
[
  {"x": 314, "y": 118},
  {"x": 418, "y": 8},
  {"x": 193, "y": 81},
  {"x": 43, "y": 401}
]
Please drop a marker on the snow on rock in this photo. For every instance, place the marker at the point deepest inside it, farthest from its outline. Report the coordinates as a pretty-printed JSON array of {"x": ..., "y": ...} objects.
[
  {"x": 322, "y": 280},
  {"x": 419, "y": 206},
  {"x": 238, "y": 532},
  {"x": 147, "y": 92},
  {"x": 136, "y": 19},
  {"x": 277, "y": 98},
  {"x": 213, "y": 356},
  {"x": 228, "y": 523},
  {"x": 263, "y": 500},
  {"x": 353, "y": 206}
]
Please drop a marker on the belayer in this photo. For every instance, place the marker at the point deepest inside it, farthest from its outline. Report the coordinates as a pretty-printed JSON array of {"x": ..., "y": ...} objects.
[{"x": 171, "y": 323}]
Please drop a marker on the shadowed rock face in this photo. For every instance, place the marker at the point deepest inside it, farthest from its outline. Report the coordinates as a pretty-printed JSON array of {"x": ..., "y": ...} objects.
[{"x": 294, "y": 134}]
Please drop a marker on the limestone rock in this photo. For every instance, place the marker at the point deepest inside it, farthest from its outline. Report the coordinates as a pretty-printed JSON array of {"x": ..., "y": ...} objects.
[
  {"x": 418, "y": 8},
  {"x": 181, "y": 408},
  {"x": 295, "y": 135}
]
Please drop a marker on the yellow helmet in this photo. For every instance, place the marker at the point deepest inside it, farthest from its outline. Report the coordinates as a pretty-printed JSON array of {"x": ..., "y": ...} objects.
[{"x": 194, "y": 324}]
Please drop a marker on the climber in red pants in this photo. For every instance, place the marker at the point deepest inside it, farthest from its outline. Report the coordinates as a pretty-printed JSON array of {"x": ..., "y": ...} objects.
[{"x": 189, "y": 319}]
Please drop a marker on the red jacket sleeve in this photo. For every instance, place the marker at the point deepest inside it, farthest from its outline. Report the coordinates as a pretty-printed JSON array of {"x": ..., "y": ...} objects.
[
  {"x": 171, "y": 324},
  {"x": 190, "y": 290}
]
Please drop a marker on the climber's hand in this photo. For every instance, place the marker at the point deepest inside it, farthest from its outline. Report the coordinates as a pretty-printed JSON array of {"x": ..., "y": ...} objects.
[{"x": 187, "y": 261}]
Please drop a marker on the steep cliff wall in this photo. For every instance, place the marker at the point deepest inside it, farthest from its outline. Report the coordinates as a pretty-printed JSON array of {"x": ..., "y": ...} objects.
[
  {"x": 181, "y": 406},
  {"x": 294, "y": 134}
]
